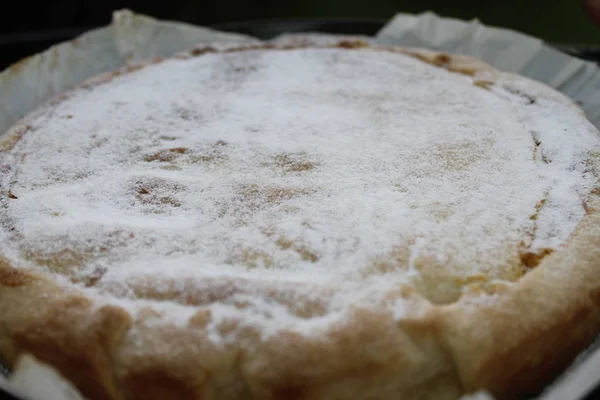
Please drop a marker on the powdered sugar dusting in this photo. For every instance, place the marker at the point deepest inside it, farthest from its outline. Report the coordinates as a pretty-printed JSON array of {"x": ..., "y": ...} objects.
[{"x": 337, "y": 176}]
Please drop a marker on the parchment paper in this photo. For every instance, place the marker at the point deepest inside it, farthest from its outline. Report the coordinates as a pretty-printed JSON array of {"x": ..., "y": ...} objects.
[
  {"x": 33, "y": 380},
  {"x": 504, "y": 49},
  {"x": 138, "y": 37},
  {"x": 132, "y": 37}
]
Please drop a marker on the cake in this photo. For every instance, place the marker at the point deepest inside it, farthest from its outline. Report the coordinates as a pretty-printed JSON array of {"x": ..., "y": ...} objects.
[{"x": 301, "y": 222}]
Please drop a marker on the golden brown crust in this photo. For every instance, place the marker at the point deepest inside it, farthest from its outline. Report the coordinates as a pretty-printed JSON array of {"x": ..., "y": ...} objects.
[
  {"x": 496, "y": 347},
  {"x": 437, "y": 352},
  {"x": 63, "y": 329}
]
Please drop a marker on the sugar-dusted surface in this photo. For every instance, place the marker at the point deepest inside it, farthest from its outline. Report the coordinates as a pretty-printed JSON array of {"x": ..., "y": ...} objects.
[{"x": 285, "y": 186}]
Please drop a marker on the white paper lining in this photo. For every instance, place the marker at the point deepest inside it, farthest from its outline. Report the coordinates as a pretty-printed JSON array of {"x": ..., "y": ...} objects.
[{"x": 504, "y": 49}]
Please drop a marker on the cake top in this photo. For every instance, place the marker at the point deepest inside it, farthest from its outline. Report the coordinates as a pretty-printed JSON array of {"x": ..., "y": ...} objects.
[{"x": 283, "y": 186}]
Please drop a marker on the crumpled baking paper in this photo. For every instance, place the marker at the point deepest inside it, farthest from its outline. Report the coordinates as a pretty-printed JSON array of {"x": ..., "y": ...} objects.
[
  {"x": 130, "y": 38},
  {"x": 504, "y": 49}
]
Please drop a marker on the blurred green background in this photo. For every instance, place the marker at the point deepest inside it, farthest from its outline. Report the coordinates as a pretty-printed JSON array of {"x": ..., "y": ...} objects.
[{"x": 560, "y": 21}]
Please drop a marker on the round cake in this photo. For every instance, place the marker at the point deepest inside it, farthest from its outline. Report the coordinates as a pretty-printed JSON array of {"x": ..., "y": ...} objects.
[{"x": 301, "y": 223}]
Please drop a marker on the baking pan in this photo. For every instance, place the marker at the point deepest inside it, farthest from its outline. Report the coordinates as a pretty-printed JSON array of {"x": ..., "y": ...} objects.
[{"x": 18, "y": 46}]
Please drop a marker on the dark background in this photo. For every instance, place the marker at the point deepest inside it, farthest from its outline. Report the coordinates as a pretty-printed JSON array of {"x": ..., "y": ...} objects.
[
  {"x": 29, "y": 27},
  {"x": 558, "y": 21}
]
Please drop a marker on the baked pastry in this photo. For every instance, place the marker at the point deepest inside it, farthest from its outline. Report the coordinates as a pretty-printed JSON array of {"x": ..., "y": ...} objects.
[{"x": 337, "y": 222}]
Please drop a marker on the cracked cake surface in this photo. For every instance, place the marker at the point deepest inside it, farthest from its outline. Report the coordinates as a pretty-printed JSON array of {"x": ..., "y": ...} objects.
[{"x": 334, "y": 222}]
